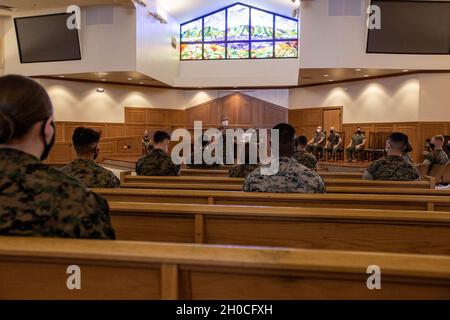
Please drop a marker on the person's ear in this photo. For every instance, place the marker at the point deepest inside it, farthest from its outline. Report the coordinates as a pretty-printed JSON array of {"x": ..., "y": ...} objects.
[{"x": 49, "y": 130}]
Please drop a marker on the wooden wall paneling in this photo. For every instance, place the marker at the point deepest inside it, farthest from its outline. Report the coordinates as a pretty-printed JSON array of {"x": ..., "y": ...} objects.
[
  {"x": 228, "y": 106},
  {"x": 207, "y": 113},
  {"x": 176, "y": 118},
  {"x": 295, "y": 117},
  {"x": 411, "y": 131},
  {"x": 156, "y": 117},
  {"x": 332, "y": 117},
  {"x": 312, "y": 117},
  {"x": 115, "y": 130},
  {"x": 247, "y": 112},
  {"x": 135, "y": 130},
  {"x": 135, "y": 115},
  {"x": 69, "y": 128},
  {"x": 101, "y": 127},
  {"x": 129, "y": 146},
  {"x": 272, "y": 114},
  {"x": 61, "y": 152},
  {"x": 59, "y": 127}
]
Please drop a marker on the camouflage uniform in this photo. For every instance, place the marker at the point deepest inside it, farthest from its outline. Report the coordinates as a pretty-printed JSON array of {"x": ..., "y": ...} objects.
[
  {"x": 91, "y": 174},
  {"x": 357, "y": 139},
  {"x": 291, "y": 177},
  {"x": 317, "y": 148},
  {"x": 393, "y": 168},
  {"x": 436, "y": 157},
  {"x": 242, "y": 170},
  {"x": 157, "y": 163},
  {"x": 407, "y": 157},
  {"x": 306, "y": 158},
  {"x": 37, "y": 200},
  {"x": 334, "y": 140}
]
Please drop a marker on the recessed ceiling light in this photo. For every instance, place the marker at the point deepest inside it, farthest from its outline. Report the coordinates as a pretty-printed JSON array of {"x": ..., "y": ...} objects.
[
  {"x": 103, "y": 74},
  {"x": 141, "y": 82},
  {"x": 103, "y": 80},
  {"x": 100, "y": 90},
  {"x": 330, "y": 80},
  {"x": 129, "y": 79},
  {"x": 325, "y": 75},
  {"x": 62, "y": 76},
  {"x": 357, "y": 70},
  {"x": 366, "y": 75},
  {"x": 405, "y": 70}
]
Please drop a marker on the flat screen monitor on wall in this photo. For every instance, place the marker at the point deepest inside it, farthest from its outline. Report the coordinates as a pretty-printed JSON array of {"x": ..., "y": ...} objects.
[
  {"x": 411, "y": 27},
  {"x": 47, "y": 39}
]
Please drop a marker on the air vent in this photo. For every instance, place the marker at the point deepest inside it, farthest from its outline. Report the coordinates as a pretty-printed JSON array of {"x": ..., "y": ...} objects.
[
  {"x": 99, "y": 15},
  {"x": 345, "y": 8}
]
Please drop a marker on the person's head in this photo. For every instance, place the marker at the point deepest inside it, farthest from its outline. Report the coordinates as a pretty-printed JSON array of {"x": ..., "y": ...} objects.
[
  {"x": 397, "y": 144},
  {"x": 409, "y": 148},
  {"x": 319, "y": 129},
  {"x": 225, "y": 122},
  {"x": 287, "y": 139},
  {"x": 438, "y": 141},
  {"x": 161, "y": 140},
  {"x": 146, "y": 134},
  {"x": 332, "y": 130},
  {"x": 26, "y": 116},
  {"x": 358, "y": 130},
  {"x": 301, "y": 142},
  {"x": 85, "y": 142}
]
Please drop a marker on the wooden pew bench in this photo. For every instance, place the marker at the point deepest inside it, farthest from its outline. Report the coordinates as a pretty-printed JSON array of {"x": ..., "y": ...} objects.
[
  {"x": 328, "y": 200},
  {"x": 309, "y": 228},
  {"x": 36, "y": 268}
]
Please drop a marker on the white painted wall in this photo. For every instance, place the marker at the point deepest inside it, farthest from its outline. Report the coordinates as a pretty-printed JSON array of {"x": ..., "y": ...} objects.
[
  {"x": 381, "y": 100},
  {"x": 434, "y": 97},
  {"x": 104, "y": 47},
  {"x": 155, "y": 55},
  {"x": 340, "y": 42},
  {"x": 2, "y": 45},
  {"x": 79, "y": 101},
  {"x": 230, "y": 73}
]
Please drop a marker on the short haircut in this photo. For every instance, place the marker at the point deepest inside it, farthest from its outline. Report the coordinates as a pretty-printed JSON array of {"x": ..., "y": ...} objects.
[
  {"x": 399, "y": 141},
  {"x": 286, "y": 133},
  {"x": 301, "y": 141},
  {"x": 409, "y": 148},
  {"x": 439, "y": 137},
  {"x": 160, "y": 136},
  {"x": 85, "y": 140}
]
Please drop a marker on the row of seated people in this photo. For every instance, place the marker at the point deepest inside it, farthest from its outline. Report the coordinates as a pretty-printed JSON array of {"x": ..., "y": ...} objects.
[{"x": 36, "y": 199}]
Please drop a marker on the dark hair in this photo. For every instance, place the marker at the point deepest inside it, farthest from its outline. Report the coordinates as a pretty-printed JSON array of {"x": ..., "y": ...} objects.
[
  {"x": 23, "y": 103},
  {"x": 286, "y": 132},
  {"x": 160, "y": 136},
  {"x": 408, "y": 148},
  {"x": 399, "y": 141},
  {"x": 301, "y": 141},
  {"x": 85, "y": 140}
]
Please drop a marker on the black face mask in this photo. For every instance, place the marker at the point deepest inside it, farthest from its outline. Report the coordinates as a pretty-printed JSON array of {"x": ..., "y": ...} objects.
[
  {"x": 358, "y": 132},
  {"x": 95, "y": 155},
  {"x": 332, "y": 132},
  {"x": 431, "y": 145},
  {"x": 47, "y": 147}
]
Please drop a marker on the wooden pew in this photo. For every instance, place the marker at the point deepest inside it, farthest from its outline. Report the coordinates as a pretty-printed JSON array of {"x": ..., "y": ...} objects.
[
  {"x": 308, "y": 228},
  {"x": 36, "y": 268},
  {"x": 329, "y": 200}
]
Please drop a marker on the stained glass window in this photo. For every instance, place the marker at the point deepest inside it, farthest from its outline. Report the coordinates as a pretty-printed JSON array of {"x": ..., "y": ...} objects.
[
  {"x": 214, "y": 51},
  {"x": 285, "y": 28},
  {"x": 262, "y": 25},
  {"x": 239, "y": 32},
  {"x": 191, "y": 51},
  {"x": 214, "y": 29},
  {"x": 192, "y": 32},
  {"x": 238, "y": 23},
  {"x": 238, "y": 50}
]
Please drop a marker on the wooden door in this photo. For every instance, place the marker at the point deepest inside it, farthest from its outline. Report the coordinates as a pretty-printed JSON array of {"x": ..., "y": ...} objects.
[{"x": 332, "y": 118}]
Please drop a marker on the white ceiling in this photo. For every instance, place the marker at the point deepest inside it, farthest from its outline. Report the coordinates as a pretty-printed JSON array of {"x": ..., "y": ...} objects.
[{"x": 185, "y": 10}]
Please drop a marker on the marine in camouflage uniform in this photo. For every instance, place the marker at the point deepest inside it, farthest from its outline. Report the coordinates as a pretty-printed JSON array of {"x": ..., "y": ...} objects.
[
  {"x": 91, "y": 174},
  {"x": 436, "y": 157},
  {"x": 157, "y": 163},
  {"x": 291, "y": 177},
  {"x": 37, "y": 200},
  {"x": 357, "y": 139},
  {"x": 333, "y": 146},
  {"x": 306, "y": 158},
  {"x": 241, "y": 170},
  {"x": 392, "y": 168},
  {"x": 147, "y": 146},
  {"x": 316, "y": 147}
]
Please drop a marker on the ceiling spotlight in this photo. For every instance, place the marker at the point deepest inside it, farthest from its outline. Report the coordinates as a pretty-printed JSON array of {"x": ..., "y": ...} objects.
[
  {"x": 357, "y": 70},
  {"x": 330, "y": 80},
  {"x": 100, "y": 90},
  {"x": 62, "y": 76},
  {"x": 130, "y": 79},
  {"x": 366, "y": 76},
  {"x": 325, "y": 75},
  {"x": 141, "y": 82},
  {"x": 405, "y": 70},
  {"x": 103, "y": 80}
]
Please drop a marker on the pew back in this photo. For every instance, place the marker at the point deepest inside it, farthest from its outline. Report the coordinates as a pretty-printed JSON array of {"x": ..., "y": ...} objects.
[
  {"x": 309, "y": 228},
  {"x": 36, "y": 268},
  {"x": 329, "y": 200}
]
